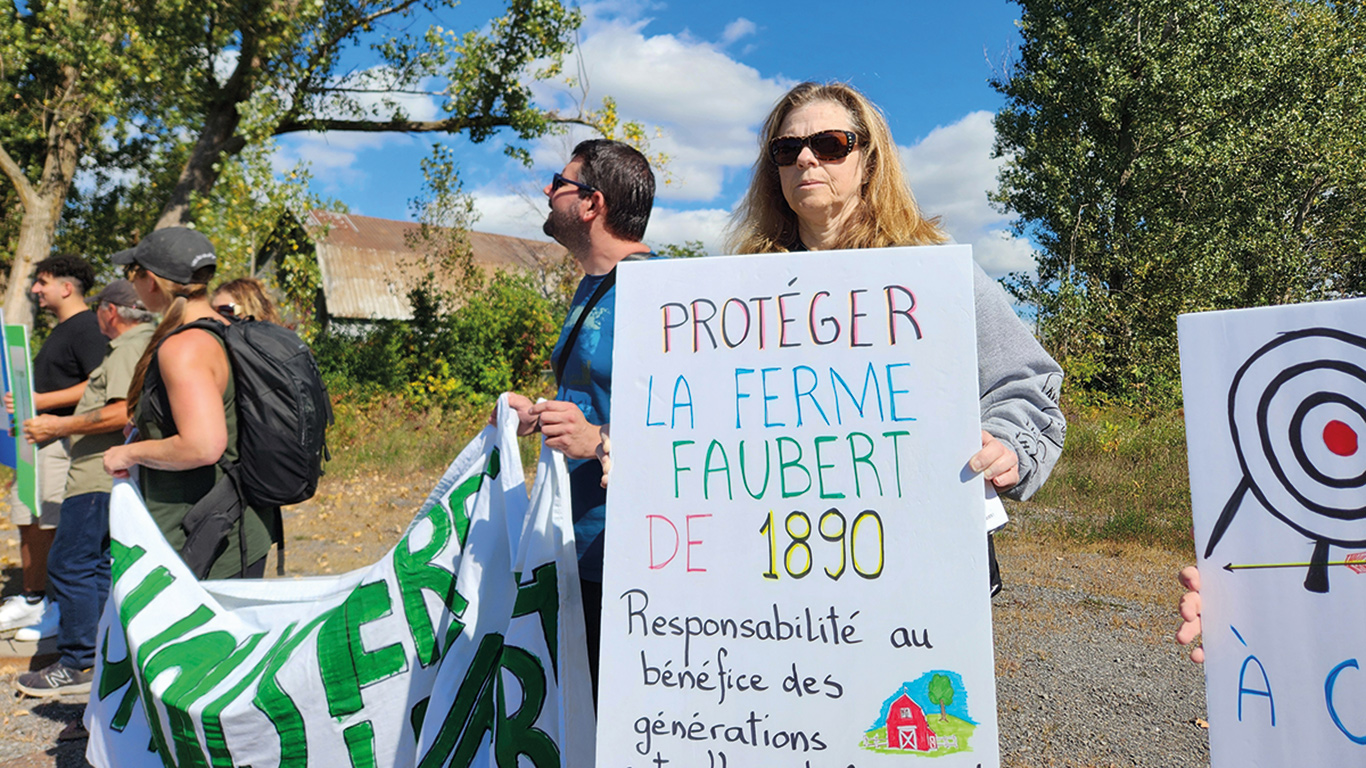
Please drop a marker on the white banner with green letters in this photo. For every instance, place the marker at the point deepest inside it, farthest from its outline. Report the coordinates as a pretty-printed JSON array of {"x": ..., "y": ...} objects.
[{"x": 463, "y": 646}]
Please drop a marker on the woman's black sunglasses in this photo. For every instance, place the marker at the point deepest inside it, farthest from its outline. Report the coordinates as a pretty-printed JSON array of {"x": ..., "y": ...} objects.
[
  {"x": 826, "y": 146},
  {"x": 558, "y": 181}
]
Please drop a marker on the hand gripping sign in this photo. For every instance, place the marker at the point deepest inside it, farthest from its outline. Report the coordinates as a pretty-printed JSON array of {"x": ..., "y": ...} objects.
[{"x": 1275, "y": 404}]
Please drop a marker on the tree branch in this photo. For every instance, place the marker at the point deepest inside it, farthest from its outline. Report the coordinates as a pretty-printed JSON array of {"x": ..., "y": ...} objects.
[
  {"x": 325, "y": 91},
  {"x": 449, "y": 125},
  {"x": 27, "y": 194},
  {"x": 326, "y": 47}
]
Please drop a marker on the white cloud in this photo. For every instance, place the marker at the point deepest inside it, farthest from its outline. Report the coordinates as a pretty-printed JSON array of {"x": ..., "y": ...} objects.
[
  {"x": 510, "y": 214},
  {"x": 951, "y": 171},
  {"x": 674, "y": 227},
  {"x": 707, "y": 113},
  {"x": 224, "y": 62},
  {"x": 521, "y": 215},
  {"x": 331, "y": 157},
  {"x": 740, "y": 28},
  {"x": 1000, "y": 252}
]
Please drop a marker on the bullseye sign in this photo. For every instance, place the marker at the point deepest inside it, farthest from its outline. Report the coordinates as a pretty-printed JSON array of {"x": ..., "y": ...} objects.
[
  {"x": 1275, "y": 408},
  {"x": 1297, "y": 414}
]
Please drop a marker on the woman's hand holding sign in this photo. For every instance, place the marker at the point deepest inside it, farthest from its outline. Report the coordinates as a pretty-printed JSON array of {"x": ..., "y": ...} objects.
[
  {"x": 996, "y": 462},
  {"x": 1189, "y": 631}
]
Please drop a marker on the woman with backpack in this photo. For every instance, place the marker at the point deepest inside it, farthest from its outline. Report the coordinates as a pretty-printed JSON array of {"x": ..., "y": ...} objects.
[{"x": 183, "y": 406}]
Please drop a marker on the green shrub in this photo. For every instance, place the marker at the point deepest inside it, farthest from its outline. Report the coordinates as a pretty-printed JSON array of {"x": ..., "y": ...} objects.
[
  {"x": 1122, "y": 477},
  {"x": 498, "y": 340}
]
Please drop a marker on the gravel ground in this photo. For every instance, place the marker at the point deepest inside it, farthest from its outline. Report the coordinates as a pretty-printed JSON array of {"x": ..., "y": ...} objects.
[{"x": 1087, "y": 676}]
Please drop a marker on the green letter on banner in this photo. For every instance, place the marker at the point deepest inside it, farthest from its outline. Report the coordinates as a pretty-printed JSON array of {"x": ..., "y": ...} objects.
[
  {"x": 471, "y": 714},
  {"x": 345, "y": 664},
  {"x": 201, "y": 662},
  {"x": 278, "y": 707},
  {"x": 115, "y": 675},
  {"x": 415, "y": 572},
  {"x": 542, "y": 595},
  {"x": 360, "y": 744},
  {"x": 517, "y": 735}
]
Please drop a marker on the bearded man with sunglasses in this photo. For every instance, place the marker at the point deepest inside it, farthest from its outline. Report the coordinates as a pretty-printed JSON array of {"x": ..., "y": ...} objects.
[{"x": 599, "y": 206}]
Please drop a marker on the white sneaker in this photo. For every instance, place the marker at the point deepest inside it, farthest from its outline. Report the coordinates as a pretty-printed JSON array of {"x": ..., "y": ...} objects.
[
  {"x": 44, "y": 627},
  {"x": 18, "y": 612}
]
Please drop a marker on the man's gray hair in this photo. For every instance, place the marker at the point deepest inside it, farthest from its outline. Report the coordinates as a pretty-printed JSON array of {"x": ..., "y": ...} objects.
[{"x": 132, "y": 314}]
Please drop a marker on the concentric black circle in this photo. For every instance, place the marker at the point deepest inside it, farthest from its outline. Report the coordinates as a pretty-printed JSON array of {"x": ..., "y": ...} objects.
[{"x": 1284, "y": 395}]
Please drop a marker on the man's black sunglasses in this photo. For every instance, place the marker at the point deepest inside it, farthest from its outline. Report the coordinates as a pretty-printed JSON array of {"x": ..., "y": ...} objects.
[
  {"x": 826, "y": 146},
  {"x": 559, "y": 181}
]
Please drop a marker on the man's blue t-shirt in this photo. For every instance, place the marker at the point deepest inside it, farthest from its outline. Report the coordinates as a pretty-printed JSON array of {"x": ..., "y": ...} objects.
[{"x": 587, "y": 383}]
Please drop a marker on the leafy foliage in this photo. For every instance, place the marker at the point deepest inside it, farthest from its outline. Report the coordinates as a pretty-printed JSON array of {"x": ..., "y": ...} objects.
[
  {"x": 68, "y": 77},
  {"x": 498, "y": 340},
  {"x": 689, "y": 250},
  {"x": 1173, "y": 156},
  {"x": 159, "y": 101}
]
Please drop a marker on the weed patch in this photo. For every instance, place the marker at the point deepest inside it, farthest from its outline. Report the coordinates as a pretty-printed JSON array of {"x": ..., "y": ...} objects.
[{"x": 1122, "y": 478}]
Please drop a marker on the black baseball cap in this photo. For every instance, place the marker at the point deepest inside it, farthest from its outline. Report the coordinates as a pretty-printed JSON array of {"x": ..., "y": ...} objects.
[
  {"x": 174, "y": 253},
  {"x": 120, "y": 293}
]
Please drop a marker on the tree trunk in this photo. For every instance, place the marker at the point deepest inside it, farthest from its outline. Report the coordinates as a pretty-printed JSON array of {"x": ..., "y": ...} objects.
[
  {"x": 43, "y": 203},
  {"x": 216, "y": 142},
  {"x": 37, "y": 231}
]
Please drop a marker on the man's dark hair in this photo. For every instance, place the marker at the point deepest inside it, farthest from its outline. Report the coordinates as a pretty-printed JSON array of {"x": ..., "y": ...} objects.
[
  {"x": 624, "y": 177},
  {"x": 65, "y": 266}
]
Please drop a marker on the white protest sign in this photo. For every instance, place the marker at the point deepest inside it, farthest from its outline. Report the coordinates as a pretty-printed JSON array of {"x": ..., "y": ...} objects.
[
  {"x": 1275, "y": 402},
  {"x": 464, "y": 646},
  {"x": 795, "y": 564}
]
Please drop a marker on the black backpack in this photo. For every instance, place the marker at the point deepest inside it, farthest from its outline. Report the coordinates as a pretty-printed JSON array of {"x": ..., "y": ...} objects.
[{"x": 283, "y": 411}]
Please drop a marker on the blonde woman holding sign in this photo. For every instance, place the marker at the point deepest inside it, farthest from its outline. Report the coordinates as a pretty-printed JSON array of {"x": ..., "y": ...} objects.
[{"x": 829, "y": 177}]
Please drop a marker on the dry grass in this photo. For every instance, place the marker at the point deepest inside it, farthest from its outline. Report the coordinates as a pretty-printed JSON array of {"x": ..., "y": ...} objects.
[{"x": 1122, "y": 478}]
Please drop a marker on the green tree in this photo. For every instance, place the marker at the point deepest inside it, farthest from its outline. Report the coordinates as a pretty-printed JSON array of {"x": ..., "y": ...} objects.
[
  {"x": 133, "y": 80},
  {"x": 689, "y": 250},
  {"x": 1172, "y": 156},
  {"x": 66, "y": 71},
  {"x": 941, "y": 693},
  {"x": 288, "y": 75}
]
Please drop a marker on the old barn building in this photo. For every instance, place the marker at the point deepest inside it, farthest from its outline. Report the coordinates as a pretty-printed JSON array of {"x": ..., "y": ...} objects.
[{"x": 369, "y": 265}]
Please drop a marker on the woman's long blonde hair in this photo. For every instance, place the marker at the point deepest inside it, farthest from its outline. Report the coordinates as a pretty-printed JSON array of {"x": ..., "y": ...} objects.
[
  {"x": 182, "y": 294},
  {"x": 887, "y": 214},
  {"x": 252, "y": 299}
]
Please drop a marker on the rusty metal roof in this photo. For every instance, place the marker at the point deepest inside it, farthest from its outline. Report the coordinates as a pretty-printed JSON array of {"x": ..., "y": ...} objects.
[{"x": 369, "y": 265}]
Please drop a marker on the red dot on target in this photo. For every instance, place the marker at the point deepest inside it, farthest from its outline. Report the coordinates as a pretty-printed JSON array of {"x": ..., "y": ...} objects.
[{"x": 1340, "y": 438}]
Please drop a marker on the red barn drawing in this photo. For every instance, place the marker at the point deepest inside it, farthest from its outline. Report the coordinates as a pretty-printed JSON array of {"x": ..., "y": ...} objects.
[{"x": 906, "y": 727}]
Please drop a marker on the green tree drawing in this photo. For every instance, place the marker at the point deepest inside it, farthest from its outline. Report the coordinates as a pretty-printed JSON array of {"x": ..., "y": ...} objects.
[{"x": 941, "y": 693}]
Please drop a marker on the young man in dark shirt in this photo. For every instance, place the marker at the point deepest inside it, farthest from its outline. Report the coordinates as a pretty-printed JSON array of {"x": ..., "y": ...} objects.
[{"x": 60, "y": 370}]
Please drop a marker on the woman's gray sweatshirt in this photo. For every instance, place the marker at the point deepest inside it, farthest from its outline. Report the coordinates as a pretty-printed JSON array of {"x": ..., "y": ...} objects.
[{"x": 1018, "y": 385}]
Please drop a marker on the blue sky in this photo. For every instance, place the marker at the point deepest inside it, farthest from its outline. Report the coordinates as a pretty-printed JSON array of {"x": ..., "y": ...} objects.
[{"x": 705, "y": 73}]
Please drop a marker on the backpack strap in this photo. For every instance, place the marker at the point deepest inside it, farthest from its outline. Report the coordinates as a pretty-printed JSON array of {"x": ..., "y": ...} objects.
[
  {"x": 207, "y": 523},
  {"x": 216, "y": 327},
  {"x": 607, "y": 282},
  {"x": 563, "y": 357}
]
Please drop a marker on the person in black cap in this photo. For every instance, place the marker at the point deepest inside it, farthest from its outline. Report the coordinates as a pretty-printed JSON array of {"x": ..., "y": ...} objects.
[
  {"x": 78, "y": 565},
  {"x": 183, "y": 400}
]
